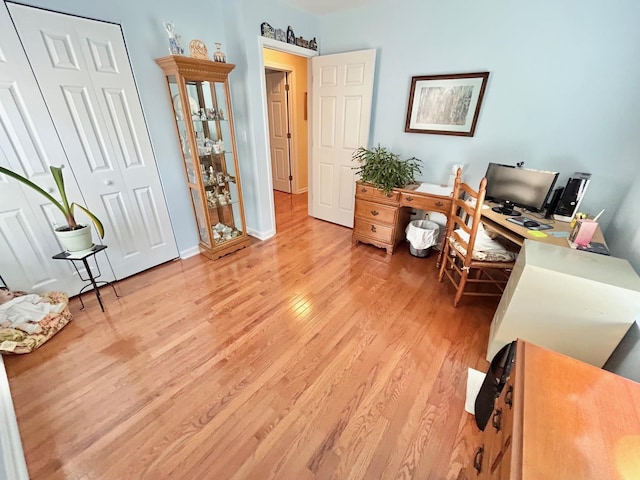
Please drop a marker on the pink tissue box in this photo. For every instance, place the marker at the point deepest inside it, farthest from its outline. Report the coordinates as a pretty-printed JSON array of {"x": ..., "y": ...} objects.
[{"x": 583, "y": 231}]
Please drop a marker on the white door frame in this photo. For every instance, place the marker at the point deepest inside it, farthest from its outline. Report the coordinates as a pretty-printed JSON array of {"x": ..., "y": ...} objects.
[{"x": 264, "y": 42}]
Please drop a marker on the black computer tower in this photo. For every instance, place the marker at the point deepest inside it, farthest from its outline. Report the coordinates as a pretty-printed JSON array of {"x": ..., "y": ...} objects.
[{"x": 571, "y": 197}]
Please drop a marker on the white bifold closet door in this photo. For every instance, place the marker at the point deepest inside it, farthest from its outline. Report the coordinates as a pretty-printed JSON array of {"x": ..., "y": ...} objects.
[
  {"x": 83, "y": 73},
  {"x": 28, "y": 144}
]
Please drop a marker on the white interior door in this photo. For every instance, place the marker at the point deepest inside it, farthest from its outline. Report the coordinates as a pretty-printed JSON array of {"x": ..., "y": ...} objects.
[
  {"x": 278, "y": 131},
  {"x": 29, "y": 144},
  {"x": 84, "y": 74},
  {"x": 342, "y": 90}
]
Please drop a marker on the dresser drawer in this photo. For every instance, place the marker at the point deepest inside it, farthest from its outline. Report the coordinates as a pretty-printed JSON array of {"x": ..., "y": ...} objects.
[
  {"x": 373, "y": 230},
  {"x": 375, "y": 212},
  {"x": 425, "y": 202},
  {"x": 369, "y": 192}
]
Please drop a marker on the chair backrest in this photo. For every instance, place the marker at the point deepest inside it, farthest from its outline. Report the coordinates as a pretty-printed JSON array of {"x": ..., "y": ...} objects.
[{"x": 466, "y": 210}]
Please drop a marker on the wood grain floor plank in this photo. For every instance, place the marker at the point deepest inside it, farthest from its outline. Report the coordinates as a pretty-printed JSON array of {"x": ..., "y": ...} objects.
[{"x": 300, "y": 357}]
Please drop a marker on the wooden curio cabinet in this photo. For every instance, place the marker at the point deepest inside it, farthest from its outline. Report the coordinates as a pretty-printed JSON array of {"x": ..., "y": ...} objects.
[{"x": 199, "y": 95}]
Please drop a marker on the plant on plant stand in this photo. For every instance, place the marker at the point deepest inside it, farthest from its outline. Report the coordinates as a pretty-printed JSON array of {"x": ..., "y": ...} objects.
[
  {"x": 385, "y": 169},
  {"x": 74, "y": 237}
]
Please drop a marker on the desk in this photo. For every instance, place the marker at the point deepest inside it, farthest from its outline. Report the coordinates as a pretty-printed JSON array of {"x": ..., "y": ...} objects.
[
  {"x": 498, "y": 223},
  {"x": 380, "y": 219},
  {"x": 83, "y": 256}
]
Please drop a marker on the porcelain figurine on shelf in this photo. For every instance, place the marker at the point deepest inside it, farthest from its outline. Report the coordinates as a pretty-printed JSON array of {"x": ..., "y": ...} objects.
[{"x": 313, "y": 44}]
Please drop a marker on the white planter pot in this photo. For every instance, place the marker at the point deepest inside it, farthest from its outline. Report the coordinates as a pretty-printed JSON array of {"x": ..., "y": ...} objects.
[{"x": 75, "y": 240}]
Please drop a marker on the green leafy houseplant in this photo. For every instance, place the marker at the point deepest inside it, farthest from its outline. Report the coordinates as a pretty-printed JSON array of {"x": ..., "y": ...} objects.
[
  {"x": 64, "y": 206},
  {"x": 385, "y": 169}
]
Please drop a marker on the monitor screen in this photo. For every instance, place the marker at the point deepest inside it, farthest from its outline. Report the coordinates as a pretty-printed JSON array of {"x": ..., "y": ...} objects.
[{"x": 519, "y": 186}]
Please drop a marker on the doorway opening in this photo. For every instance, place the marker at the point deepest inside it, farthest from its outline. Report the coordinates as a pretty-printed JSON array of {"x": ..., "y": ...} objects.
[{"x": 286, "y": 88}]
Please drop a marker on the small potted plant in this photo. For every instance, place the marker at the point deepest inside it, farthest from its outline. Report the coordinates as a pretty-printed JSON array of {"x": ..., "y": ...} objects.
[
  {"x": 385, "y": 169},
  {"x": 73, "y": 237}
]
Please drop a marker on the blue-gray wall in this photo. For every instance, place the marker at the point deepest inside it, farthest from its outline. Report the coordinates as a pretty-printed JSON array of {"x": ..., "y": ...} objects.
[{"x": 562, "y": 94}]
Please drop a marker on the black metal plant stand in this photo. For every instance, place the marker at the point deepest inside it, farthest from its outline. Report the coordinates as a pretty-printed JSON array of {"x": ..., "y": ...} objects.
[{"x": 73, "y": 257}]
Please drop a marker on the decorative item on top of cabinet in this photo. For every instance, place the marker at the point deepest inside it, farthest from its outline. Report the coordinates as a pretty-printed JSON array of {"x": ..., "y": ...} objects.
[
  {"x": 218, "y": 56},
  {"x": 174, "y": 39},
  {"x": 213, "y": 177},
  {"x": 197, "y": 49}
]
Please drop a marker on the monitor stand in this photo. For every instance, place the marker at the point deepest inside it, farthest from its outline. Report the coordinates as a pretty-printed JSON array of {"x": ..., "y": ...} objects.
[{"x": 507, "y": 209}]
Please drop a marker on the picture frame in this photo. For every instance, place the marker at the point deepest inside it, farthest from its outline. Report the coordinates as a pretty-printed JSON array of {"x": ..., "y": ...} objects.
[{"x": 445, "y": 104}]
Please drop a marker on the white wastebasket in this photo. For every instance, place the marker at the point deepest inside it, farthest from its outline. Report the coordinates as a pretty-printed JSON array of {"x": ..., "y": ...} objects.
[{"x": 422, "y": 235}]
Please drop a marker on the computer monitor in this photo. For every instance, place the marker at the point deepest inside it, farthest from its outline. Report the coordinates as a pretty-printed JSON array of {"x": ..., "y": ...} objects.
[{"x": 522, "y": 187}]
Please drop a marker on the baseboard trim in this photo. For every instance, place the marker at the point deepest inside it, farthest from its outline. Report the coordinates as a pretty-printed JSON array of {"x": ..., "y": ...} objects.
[
  {"x": 13, "y": 465},
  {"x": 189, "y": 252},
  {"x": 261, "y": 235}
]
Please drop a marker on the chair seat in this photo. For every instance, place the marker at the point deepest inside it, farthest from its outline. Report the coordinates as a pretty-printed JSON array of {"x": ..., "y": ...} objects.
[{"x": 485, "y": 255}]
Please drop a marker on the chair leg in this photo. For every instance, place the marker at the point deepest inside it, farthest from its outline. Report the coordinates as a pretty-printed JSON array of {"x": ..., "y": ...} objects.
[
  {"x": 444, "y": 259},
  {"x": 463, "y": 280}
]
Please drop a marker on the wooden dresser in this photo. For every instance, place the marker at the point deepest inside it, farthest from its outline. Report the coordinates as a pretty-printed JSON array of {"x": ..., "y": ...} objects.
[
  {"x": 560, "y": 418},
  {"x": 381, "y": 219}
]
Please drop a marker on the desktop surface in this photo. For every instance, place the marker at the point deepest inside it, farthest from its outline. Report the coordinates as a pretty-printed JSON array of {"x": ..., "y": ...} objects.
[{"x": 556, "y": 235}]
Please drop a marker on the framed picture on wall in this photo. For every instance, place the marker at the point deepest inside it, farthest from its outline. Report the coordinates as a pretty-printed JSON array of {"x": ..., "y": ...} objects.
[{"x": 445, "y": 104}]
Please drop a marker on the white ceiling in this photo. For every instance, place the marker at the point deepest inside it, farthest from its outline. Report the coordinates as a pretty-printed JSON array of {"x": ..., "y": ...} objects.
[{"x": 322, "y": 7}]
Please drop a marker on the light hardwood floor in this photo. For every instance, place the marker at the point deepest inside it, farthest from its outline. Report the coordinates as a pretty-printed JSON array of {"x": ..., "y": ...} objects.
[{"x": 297, "y": 358}]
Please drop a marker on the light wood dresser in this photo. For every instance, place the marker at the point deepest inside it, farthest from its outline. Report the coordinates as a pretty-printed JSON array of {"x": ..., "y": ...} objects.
[
  {"x": 560, "y": 418},
  {"x": 380, "y": 219}
]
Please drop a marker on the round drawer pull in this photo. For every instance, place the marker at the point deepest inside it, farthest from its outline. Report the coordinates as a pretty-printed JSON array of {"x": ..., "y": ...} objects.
[
  {"x": 409, "y": 199},
  {"x": 439, "y": 204},
  {"x": 363, "y": 190},
  {"x": 374, "y": 213},
  {"x": 373, "y": 228}
]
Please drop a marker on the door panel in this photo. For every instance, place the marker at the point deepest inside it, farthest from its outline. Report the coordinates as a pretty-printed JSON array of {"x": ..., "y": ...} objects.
[
  {"x": 91, "y": 95},
  {"x": 278, "y": 129},
  {"x": 29, "y": 145},
  {"x": 341, "y": 114}
]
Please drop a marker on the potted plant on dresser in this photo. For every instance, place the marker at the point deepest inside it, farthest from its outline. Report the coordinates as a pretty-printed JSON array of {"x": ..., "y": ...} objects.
[{"x": 73, "y": 236}]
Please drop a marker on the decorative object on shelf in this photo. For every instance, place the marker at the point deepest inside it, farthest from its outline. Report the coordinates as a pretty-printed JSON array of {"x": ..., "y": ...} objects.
[
  {"x": 174, "y": 39},
  {"x": 281, "y": 35},
  {"x": 267, "y": 30},
  {"x": 177, "y": 106},
  {"x": 445, "y": 104},
  {"x": 197, "y": 49},
  {"x": 220, "y": 114},
  {"x": 212, "y": 114},
  {"x": 313, "y": 44},
  {"x": 73, "y": 237},
  {"x": 291, "y": 37},
  {"x": 384, "y": 169},
  {"x": 218, "y": 56},
  {"x": 301, "y": 42}
]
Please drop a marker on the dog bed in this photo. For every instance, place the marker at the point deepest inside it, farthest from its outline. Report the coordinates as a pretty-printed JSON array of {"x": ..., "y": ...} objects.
[{"x": 14, "y": 341}]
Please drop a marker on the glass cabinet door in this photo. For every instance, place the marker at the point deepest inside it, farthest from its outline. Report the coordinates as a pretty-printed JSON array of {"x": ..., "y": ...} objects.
[{"x": 207, "y": 147}]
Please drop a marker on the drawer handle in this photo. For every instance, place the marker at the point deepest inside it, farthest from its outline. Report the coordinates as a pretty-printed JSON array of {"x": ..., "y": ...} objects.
[
  {"x": 409, "y": 199},
  {"x": 496, "y": 420},
  {"x": 477, "y": 459},
  {"x": 374, "y": 213},
  {"x": 439, "y": 204},
  {"x": 373, "y": 228},
  {"x": 508, "y": 396},
  {"x": 363, "y": 190}
]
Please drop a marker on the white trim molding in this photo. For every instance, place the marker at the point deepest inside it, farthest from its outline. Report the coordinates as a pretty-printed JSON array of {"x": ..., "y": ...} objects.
[{"x": 12, "y": 463}]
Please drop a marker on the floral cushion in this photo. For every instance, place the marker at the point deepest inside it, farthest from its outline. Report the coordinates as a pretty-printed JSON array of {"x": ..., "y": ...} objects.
[
  {"x": 13, "y": 341},
  {"x": 487, "y": 248}
]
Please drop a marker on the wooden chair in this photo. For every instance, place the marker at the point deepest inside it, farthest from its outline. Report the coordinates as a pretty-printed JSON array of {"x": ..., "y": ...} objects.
[{"x": 486, "y": 271}]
